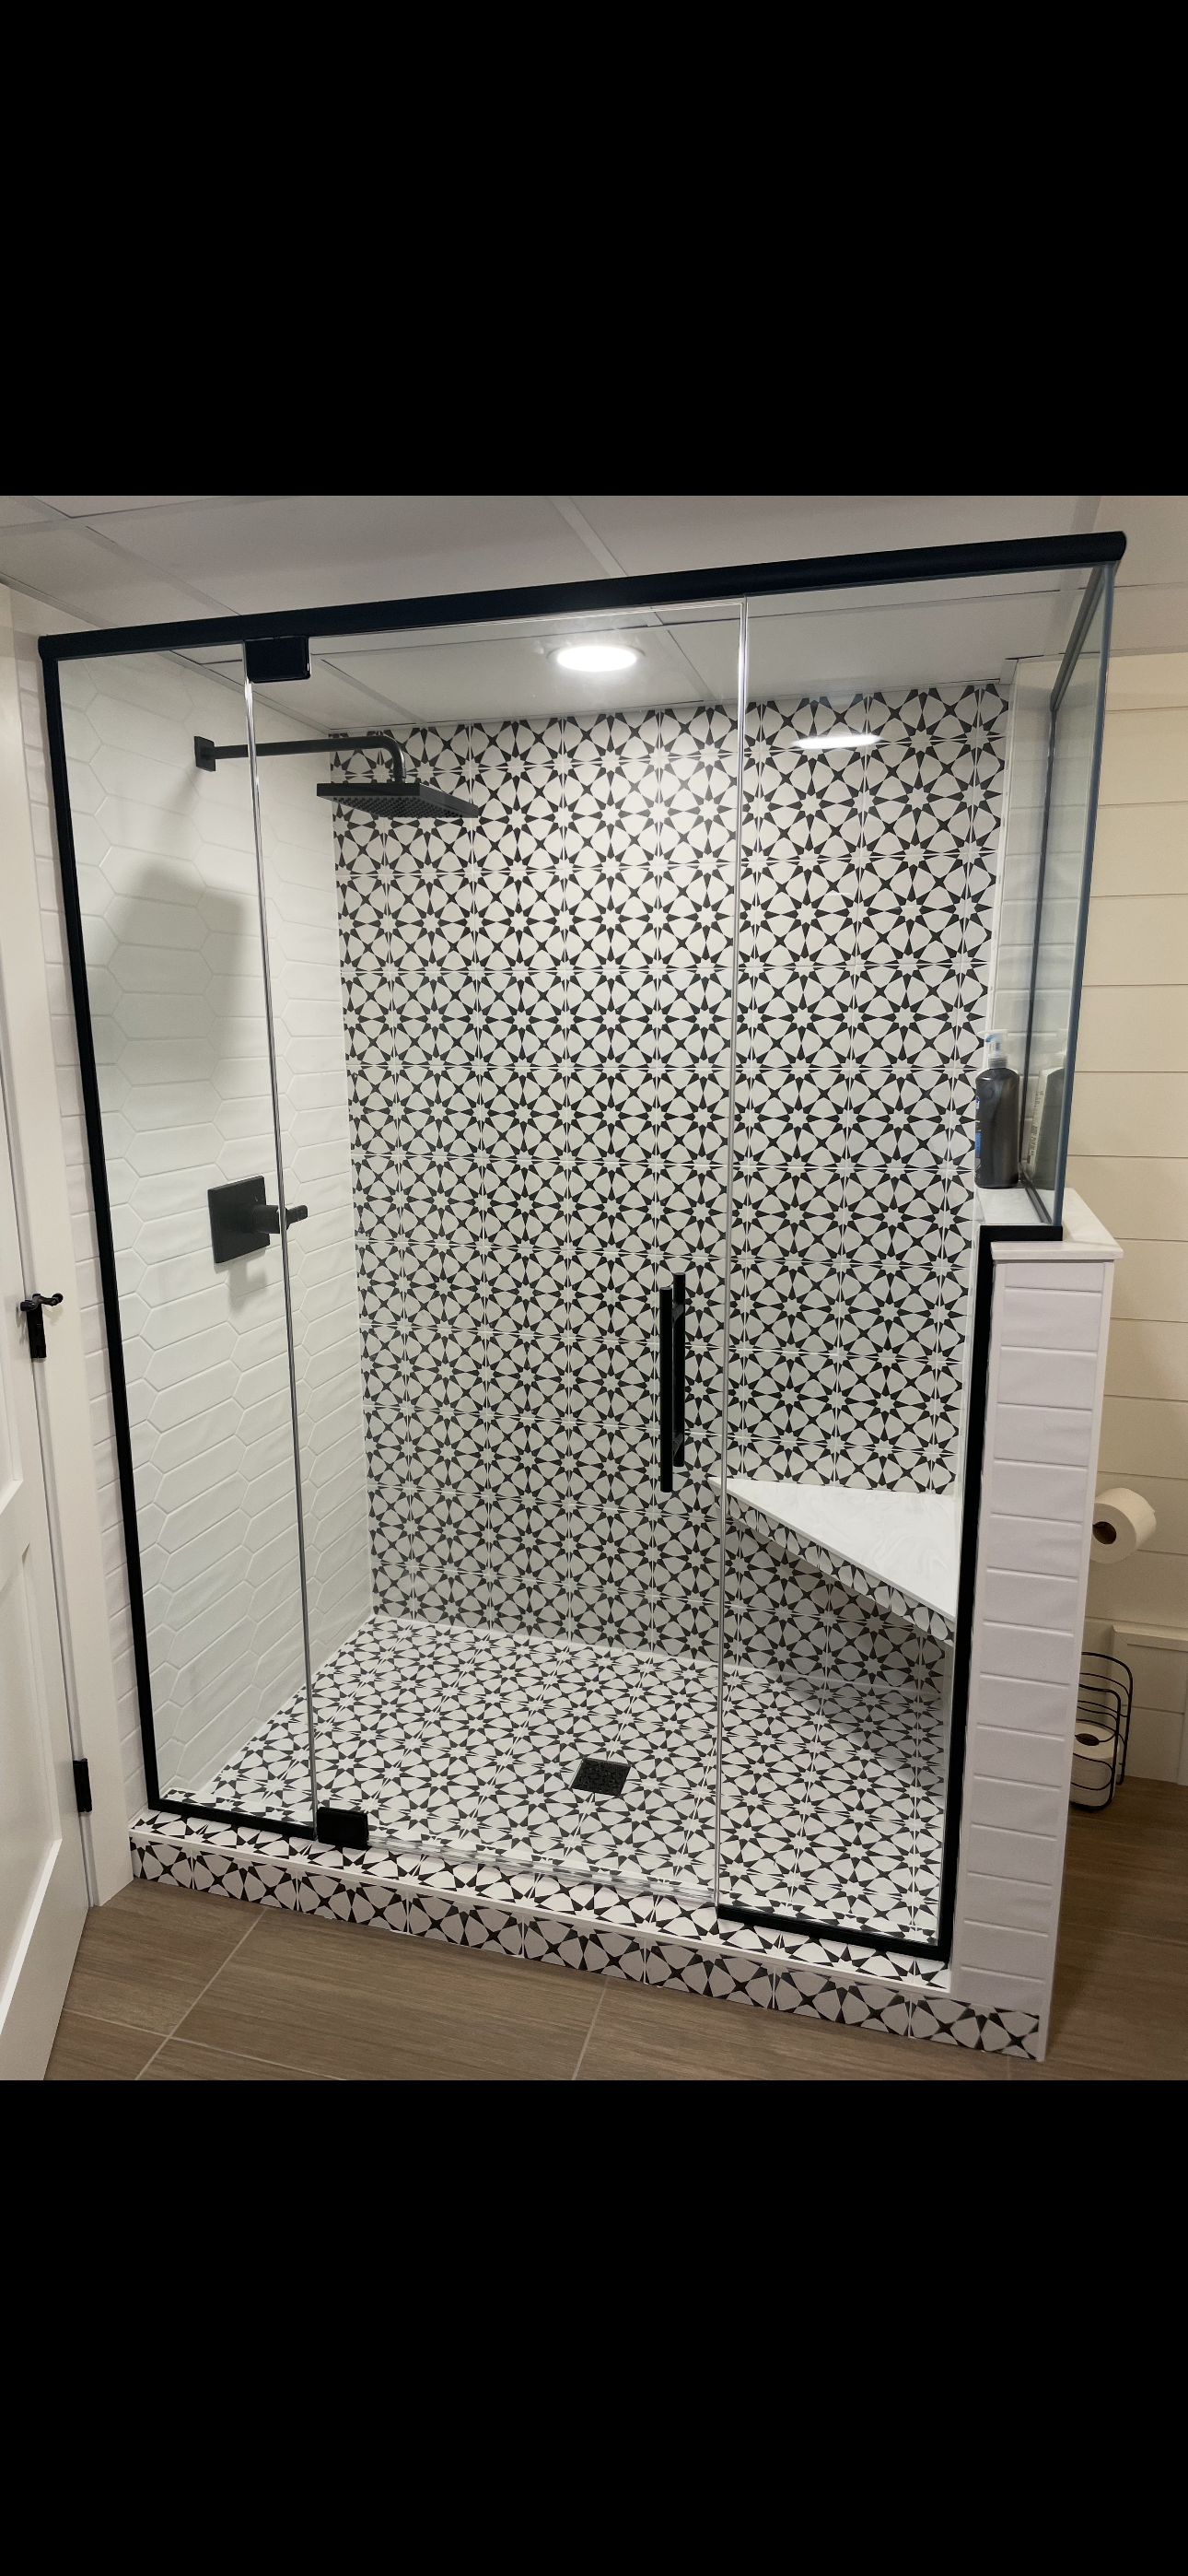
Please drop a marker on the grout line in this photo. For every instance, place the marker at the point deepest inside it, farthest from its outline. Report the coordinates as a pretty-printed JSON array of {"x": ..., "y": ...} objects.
[
  {"x": 79, "y": 2012},
  {"x": 190, "y": 2007},
  {"x": 244, "y": 2057},
  {"x": 589, "y": 2034}
]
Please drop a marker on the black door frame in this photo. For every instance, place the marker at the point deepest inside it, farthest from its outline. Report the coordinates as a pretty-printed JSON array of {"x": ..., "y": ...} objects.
[{"x": 663, "y": 590}]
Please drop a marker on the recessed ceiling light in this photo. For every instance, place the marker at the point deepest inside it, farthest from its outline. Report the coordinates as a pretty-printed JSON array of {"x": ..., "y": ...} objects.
[
  {"x": 594, "y": 656},
  {"x": 839, "y": 741}
]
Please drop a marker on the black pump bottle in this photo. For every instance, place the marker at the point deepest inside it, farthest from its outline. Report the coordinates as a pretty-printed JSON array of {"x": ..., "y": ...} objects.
[{"x": 996, "y": 1138}]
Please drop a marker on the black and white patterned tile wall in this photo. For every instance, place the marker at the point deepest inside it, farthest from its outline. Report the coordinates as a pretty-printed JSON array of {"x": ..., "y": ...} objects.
[
  {"x": 537, "y": 1010},
  {"x": 867, "y": 906},
  {"x": 537, "y": 1027}
]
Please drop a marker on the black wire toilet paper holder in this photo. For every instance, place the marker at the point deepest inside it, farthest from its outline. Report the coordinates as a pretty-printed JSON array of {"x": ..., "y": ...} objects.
[{"x": 1104, "y": 1695}]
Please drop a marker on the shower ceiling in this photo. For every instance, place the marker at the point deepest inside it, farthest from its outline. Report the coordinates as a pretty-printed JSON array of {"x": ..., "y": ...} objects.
[
  {"x": 834, "y": 645},
  {"x": 120, "y": 559}
]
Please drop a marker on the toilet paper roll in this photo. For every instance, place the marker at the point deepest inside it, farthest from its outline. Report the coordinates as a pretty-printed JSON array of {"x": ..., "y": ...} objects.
[
  {"x": 1093, "y": 1764},
  {"x": 1093, "y": 1743},
  {"x": 1122, "y": 1521}
]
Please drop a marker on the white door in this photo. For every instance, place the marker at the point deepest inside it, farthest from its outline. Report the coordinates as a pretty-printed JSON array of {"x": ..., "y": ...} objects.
[{"x": 43, "y": 1891}]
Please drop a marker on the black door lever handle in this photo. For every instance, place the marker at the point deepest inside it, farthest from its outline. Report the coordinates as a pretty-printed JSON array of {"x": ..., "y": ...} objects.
[
  {"x": 270, "y": 1217},
  {"x": 30, "y": 1308},
  {"x": 672, "y": 1379}
]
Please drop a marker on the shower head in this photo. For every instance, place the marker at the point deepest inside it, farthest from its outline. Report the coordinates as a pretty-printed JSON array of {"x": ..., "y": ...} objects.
[
  {"x": 404, "y": 802},
  {"x": 398, "y": 799}
]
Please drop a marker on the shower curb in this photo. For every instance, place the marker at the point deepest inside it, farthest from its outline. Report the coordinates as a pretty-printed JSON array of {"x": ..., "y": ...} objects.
[{"x": 611, "y": 1934}]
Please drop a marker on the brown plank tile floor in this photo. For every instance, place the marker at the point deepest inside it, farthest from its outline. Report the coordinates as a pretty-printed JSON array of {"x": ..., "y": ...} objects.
[{"x": 177, "y": 1989}]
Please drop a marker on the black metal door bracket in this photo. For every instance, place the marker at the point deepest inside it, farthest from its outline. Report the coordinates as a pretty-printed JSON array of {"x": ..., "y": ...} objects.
[
  {"x": 344, "y": 1827},
  {"x": 276, "y": 657},
  {"x": 672, "y": 1379},
  {"x": 30, "y": 1308}
]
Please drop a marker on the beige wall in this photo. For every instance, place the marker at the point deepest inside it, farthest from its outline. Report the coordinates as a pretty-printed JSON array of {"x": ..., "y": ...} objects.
[{"x": 1129, "y": 1156}]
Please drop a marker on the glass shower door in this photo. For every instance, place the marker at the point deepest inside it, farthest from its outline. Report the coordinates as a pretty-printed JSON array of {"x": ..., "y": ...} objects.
[
  {"x": 503, "y": 1083},
  {"x": 872, "y": 794},
  {"x": 171, "y": 933}
]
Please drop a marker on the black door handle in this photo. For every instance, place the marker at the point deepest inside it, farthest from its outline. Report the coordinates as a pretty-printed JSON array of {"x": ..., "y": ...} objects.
[
  {"x": 672, "y": 1379},
  {"x": 30, "y": 1308},
  {"x": 239, "y": 1220},
  {"x": 678, "y": 1369}
]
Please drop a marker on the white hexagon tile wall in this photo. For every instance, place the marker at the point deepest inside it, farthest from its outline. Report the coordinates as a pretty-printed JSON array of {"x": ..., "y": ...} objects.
[{"x": 168, "y": 892}]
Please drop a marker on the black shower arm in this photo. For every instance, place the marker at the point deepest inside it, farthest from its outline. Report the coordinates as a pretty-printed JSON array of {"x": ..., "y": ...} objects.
[{"x": 206, "y": 754}]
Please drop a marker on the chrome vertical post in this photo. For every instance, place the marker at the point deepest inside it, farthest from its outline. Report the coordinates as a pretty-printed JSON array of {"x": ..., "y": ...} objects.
[
  {"x": 724, "y": 1448},
  {"x": 254, "y": 774}
]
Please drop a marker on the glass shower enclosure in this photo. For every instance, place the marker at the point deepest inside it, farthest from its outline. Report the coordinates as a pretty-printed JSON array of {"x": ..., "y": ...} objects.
[{"x": 528, "y": 1063}]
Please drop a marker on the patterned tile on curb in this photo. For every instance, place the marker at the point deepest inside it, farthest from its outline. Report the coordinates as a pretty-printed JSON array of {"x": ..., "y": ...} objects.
[{"x": 903, "y": 1996}]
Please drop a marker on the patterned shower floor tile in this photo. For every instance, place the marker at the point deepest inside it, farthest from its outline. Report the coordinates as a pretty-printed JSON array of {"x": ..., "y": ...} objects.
[{"x": 465, "y": 1743}]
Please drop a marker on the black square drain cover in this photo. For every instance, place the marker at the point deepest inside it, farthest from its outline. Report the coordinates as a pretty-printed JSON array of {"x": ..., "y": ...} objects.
[{"x": 604, "y": 1778}]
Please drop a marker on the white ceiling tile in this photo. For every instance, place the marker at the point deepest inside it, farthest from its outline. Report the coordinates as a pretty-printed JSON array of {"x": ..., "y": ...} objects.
[
  {"x": 20, "y": 510},
  {"x": 98, "y": 582},
  {"x": 1155, "y": 525},
  {"x": 161, "y": 556},
  {"x": 877, "y": 643},
  {"x": 294, "y": 549},
  {"x": 430, "y": 679},
  {"x": 331, "y": 699},
  {"x": 40, "y": 616},
  {"x": 650, "y": 532},
  {"x": 94, "y": 505}
]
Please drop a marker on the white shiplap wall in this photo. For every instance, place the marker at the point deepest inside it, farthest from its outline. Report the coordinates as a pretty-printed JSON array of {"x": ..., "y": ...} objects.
[{"x": 1129, "y": 1157}]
